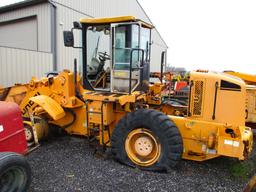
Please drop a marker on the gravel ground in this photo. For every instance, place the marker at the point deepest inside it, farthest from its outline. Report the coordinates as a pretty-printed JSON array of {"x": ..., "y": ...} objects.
[{"x": 68, "y": 164}]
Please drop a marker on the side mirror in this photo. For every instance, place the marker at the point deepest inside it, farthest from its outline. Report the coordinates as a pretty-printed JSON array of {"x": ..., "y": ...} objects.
[
  {"x": 77, "y": 25},
  {"x": 68, "y": 38}
]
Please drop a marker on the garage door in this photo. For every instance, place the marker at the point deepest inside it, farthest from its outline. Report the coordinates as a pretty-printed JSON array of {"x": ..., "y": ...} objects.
[{"x": 20, "y": 33}]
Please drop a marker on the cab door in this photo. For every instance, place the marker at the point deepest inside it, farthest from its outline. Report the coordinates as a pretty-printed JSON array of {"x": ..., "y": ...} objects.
[{"x": 127, "y": 62}]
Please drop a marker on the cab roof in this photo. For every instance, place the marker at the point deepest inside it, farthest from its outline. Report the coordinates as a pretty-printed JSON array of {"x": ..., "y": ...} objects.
[{"x": 109, "y": 20}]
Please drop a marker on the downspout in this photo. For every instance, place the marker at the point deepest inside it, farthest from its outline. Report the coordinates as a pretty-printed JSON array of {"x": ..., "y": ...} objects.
[{"x": 54, "y": 34}]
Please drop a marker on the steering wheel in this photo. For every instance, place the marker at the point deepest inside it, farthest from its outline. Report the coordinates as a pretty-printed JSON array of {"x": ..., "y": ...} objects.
[{"x": 103, "y": 56}]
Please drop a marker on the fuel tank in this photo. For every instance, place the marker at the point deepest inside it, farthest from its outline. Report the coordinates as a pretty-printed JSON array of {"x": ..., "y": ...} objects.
[{"x": 12, "y": 133}]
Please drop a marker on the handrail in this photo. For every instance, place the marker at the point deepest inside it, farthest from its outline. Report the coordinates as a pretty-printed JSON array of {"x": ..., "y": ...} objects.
[{"x": 131, "y": 68}]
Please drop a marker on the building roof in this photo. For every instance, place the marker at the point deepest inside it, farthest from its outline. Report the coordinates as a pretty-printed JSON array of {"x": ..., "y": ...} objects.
[{"x": 20, "y": 4}]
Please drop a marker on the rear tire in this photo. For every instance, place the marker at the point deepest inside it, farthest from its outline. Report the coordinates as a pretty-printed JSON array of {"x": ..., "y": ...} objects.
[
  {"x": 147, "y": 126},
  {"x": 15, "y": 173}
]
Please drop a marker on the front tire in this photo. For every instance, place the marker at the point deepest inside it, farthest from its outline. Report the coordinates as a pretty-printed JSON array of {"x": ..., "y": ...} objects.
[{"x": 147, "y": 139}]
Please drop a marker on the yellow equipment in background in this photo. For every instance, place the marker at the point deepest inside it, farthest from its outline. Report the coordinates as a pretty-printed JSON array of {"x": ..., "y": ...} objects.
[
  {"x": 127, "y": 114},
  {"x": 250, "y": 81},
  {"x": 251, "y": 105},
  {"x": 248, "y": 78}
]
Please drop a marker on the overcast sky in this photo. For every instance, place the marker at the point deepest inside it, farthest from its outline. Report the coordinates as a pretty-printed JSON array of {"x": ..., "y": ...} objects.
[
  {"x": 6, "y": 2},
  {"x": 205, "y": 34}
]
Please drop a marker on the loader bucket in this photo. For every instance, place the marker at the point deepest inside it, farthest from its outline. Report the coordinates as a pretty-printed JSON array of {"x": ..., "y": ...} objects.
[
  {"x": 3, "y": 93},
  {"x": 13, "y": 94}
]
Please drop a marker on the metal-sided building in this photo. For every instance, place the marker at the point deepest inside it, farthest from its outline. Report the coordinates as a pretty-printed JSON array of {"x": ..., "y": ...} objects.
[{"x": 31, "y": 35}]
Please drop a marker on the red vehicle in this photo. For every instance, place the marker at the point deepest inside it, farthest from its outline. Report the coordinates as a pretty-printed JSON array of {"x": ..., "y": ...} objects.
[{"x": 15, "y": 172}]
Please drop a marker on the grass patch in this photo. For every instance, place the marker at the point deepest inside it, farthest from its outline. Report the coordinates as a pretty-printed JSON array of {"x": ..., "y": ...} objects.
[
  {"x": 240, "y": 170},
  {"x": 243, "y": 170}
]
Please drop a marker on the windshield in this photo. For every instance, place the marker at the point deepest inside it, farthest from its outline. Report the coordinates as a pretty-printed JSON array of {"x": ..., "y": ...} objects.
[{"x": 98, "y": 54}]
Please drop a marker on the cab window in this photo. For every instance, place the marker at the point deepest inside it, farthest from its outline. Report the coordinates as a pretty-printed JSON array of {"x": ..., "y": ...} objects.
[
  {"x": 226, "y": 85},
  {"x": 126, "y": 39}
]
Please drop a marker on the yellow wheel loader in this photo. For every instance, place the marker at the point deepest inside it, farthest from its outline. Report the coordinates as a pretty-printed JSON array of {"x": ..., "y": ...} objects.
[{"x": 109, "y": 98}]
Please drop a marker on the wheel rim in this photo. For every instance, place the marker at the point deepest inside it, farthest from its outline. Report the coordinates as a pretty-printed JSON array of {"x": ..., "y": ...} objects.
[
  {"x": 28, "y": 133},
  {"x": 12, "y": 179},
  {"x": 142, "y": 147}
]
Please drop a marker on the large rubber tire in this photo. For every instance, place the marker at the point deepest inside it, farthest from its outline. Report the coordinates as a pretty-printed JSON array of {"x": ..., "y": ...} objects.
[
  {"x": 164, "y": 130},
  {"x": 15, "y": 173}
]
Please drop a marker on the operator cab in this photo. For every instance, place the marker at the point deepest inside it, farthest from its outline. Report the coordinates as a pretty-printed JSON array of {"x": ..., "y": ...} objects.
[{"x": 116, "y": 53}]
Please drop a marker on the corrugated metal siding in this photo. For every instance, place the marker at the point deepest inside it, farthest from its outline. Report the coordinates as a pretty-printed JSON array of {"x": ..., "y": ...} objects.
[
  {"x": 42, "y": 11},
  {"x": 103, "y": 8},
  {"x": 156, "y": 51},
  {"x": 67, "y": 12},
  {"x": 98, "y": 8},
  {"x": 66, "y": 55},
  {"x": 18, "y": 66}
]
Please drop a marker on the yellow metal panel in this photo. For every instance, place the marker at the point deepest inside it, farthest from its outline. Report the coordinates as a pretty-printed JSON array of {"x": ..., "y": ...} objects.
[
  {"x": 109, "y": 20},
  {"x": 108, "y": 113},
  {"x": 95, "y": 112},
  {"x": 115, "y": 97},
  {"x": 50, "y": 106},
  {"x": 230, "y": 104},
  {"x": 230, "y": 108},
  {"x": 204, "y": 140},
  {"x": 79, "y": 126},
  {"x": 127, "y": 98},
  {"x": 230, "y": 147}
]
